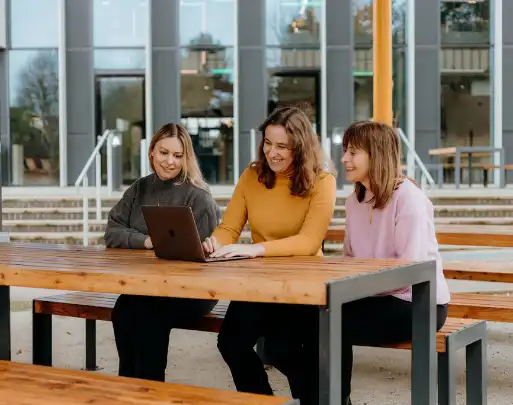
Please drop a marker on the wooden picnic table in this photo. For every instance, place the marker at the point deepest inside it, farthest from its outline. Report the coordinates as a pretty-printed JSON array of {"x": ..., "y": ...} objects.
[
  {"x": 325, "y": 282},
  {"x": 464, "y": 235},
  {"x": 459, "y": 151}
]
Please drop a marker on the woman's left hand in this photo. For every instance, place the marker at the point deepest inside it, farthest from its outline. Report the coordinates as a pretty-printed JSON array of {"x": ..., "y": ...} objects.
[{"x": 252, "y": 251}]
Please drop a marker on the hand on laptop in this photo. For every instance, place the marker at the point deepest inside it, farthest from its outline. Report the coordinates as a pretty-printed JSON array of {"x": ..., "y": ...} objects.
[
  {"x": 210, "y": 245},
  {"x": 240, "y": 250}
]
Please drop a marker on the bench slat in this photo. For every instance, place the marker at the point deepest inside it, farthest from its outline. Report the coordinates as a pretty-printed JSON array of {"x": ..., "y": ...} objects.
[
  {"x": 495, "y": 308},
  {"x": 22, "y": 384}
]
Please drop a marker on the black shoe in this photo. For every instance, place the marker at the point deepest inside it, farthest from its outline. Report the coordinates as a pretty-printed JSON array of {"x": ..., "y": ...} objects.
[{"x": 346, "y": 401}]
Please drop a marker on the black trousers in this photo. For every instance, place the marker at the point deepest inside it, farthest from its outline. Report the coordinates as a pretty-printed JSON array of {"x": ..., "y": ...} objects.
[
  {"x": 369, "y": 321},
  {"x": 244, "y": 324},
  {"x": 141, "y": 329}
]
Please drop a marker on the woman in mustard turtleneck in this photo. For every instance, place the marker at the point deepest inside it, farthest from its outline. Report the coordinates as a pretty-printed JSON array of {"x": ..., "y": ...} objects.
[{"x": 288, "y": 199}]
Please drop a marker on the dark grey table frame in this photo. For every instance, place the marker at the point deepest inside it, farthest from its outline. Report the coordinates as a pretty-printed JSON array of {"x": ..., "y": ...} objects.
[{"x": 422, "y": 276}]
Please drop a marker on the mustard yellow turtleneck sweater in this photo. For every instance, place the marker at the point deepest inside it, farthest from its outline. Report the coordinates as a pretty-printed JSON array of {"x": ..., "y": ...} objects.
[{"x": 284, "y": 224}]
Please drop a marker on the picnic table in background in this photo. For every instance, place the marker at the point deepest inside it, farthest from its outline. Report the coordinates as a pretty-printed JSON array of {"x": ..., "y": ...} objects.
[{"x": 457, "y": 152}]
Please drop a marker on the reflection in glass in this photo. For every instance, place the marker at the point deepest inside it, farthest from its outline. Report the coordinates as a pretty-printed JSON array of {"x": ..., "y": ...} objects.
[
  {"x": 120, "y": 22},
  {"x": 34, "y": 23},
  {"x": 294, "y": 79},
  {"x": 293, "y": 22},
  {"x": 207, "y": 110},
  {"x": 363, "y": 81},
  {"x": 465, "y": 22},
  {"x": 207, "y": 22},
  {"x": 363, "y": 14},
  {"x": 120, "y": 100},
  {"x": 118, "y": 59},
  {"x": 34, "y": 116}
]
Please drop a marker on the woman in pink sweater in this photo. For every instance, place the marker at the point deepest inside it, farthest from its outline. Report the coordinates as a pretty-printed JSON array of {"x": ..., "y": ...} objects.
[{"x": 387, "y": 216}]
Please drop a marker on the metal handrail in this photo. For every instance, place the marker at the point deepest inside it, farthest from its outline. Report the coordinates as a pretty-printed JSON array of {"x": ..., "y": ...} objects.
[
  {"x": 425, "y": 176},
  {"x": 83, "y": 179}
]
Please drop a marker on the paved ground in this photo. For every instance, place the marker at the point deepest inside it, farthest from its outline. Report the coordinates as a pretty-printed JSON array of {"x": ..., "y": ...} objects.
[{"x": 381, "y": 376}]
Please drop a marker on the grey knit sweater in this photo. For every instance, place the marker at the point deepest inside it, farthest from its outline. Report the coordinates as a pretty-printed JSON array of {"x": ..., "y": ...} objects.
[{"x": 126, "y": 227}]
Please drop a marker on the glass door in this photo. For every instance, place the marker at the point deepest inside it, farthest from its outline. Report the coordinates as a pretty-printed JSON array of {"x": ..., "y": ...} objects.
[
  {"x": 120, "y": 103},
  {"x": 295, "y": 87}
]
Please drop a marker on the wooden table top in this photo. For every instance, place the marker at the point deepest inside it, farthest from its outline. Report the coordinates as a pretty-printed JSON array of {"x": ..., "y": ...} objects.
[
  {"x": 465, "y": 235},
  {"x": 299, "y": 280},
  {"x": 451, "y": 151}
]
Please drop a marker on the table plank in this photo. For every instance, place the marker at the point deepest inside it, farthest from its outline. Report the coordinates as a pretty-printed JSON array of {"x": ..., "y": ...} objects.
[{"x": 298, "y": 280}]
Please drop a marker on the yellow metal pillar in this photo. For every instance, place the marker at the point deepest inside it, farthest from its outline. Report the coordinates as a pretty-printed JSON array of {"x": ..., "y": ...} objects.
[{"x": 382, "y": 59}]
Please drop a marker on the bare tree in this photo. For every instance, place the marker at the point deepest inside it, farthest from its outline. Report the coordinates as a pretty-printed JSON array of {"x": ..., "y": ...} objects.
[{"x": 38, "y": 98}]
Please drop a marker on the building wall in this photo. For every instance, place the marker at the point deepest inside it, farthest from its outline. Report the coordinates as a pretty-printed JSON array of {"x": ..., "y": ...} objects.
[{"x": 219, "y": 67}]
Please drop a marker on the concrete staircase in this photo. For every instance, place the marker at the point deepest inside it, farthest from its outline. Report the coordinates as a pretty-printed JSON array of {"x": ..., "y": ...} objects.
[{"x": 59, "y": 219}]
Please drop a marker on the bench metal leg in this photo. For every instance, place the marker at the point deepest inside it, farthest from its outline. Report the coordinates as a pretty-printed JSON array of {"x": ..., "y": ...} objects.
[
  {"x": 5, "y": 323},
  {"x": 477, "y": 377},
  {"x": 41, "y": 339},
  {"x": 90, "y": 344},
  {"x": 446, "y": 378}
]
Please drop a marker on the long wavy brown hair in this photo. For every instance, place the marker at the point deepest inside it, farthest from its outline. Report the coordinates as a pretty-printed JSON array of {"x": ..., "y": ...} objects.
[
  {"x": 191, "y": 171},
  {"x": 308, "y": 159},
  {"x": 381, "y": 142}
]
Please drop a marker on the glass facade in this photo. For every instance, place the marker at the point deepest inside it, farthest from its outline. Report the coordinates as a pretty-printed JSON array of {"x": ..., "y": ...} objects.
[
  {"x": 466, "y": 88},
  {"x": 210, "y": 61}
]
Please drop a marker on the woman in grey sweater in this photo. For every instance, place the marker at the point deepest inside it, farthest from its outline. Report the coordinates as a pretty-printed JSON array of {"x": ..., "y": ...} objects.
[{"x": 142, "y": 324}]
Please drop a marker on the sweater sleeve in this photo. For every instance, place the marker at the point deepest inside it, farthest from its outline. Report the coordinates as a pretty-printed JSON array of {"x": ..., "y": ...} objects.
[
  {"x": 118, "y": 233},
  {"x": 412, "y": 224},
  {"x": 235, "y": 216},
  {"x": 206, "y": 214},
  {"x": 309, "y": 239}
]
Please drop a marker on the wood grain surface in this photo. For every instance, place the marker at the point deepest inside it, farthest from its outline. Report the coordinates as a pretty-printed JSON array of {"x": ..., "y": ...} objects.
[
  {"x": 299, "y": 280},
  {"x": 498, "y": 270},
  {"x": 464, "y": 235},
  {"x": 487, "y": 307},
  {"x": 26, "y": 384}
]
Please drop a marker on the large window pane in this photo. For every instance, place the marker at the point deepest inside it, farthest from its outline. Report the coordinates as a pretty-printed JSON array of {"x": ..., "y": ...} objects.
[
  {"x": 363, "y": 77},
  {"x": 293, "y": 22},
  {"x": 207, "y": 22},
  {"x": 207, "y": 110},
  {"x": 120, "y": 22},
  {"x": 465, "y": 22},
  {"x": 34, "y": 109},
  {"x": 119, "y": 59},
  {"x": 363, "y": 15},
  {"x": 34, "y": 23}
]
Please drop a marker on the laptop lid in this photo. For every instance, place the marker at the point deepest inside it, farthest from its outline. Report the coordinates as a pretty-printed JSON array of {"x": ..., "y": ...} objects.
[{"x": 173, "y": 233}]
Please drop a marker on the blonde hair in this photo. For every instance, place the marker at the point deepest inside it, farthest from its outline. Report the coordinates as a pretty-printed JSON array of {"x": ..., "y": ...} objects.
[
  {"x": 191, "y": 171},
  {"x": 381, "y": 143}
]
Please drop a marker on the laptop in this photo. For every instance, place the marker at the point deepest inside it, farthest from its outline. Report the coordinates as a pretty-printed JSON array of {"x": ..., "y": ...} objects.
[{"x": 174, "y": 234}]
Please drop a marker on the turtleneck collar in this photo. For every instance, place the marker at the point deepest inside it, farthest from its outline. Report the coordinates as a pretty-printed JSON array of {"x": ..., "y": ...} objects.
[
  {"x": 168, "y": 182},
  {"x": 287, "y": 174}
]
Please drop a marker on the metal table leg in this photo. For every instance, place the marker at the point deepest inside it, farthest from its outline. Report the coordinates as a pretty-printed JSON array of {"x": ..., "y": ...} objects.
[
  {"x": 424, "y": 367},
  {"x": 5, "y": 323},
  {"x": 330, "y": 355}
]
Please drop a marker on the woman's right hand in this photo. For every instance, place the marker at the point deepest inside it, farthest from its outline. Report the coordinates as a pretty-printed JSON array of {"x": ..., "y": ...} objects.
[
  {"x": 147, "y": 243},
  {"x": 210, "y": 245}
]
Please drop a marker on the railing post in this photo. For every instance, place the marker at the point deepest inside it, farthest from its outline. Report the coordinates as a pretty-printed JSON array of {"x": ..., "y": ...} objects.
[
  {"x": 252, "y": 139},
  {"x": 85, "y": 210},
  {"x": 110, "y": 172},
  {"x": 98, "y": 185},
  {"x": 4, "y": 236}
]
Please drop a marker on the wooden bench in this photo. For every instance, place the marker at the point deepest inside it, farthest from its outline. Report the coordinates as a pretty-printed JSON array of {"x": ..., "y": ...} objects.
[
  {"x": 22, "y": 384},
  {"x": 92, "y": 307},
  {"x": 455, "y": 335},
  {"x": 496, "y": 308}
]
